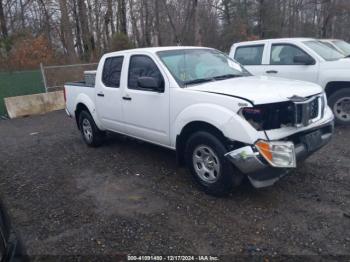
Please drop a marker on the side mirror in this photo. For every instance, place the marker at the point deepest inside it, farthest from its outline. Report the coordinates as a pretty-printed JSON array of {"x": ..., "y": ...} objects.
[
  {"x": 303, "y": 60},
  {"x": 149, "y": 82}
]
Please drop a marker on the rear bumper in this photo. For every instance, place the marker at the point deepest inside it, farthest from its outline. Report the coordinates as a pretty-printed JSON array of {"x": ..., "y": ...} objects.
[{"x": 261, "y": 174}]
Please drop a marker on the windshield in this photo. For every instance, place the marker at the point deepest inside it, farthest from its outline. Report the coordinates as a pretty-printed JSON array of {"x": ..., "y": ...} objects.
[
  {"x": 324, "y": 51},
  {"x": 195, "y": 66},
  {"x": 343, "y": 46}
]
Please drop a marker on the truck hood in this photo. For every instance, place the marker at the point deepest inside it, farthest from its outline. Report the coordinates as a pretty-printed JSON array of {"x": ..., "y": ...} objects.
[{"x": 259, "y": 89}]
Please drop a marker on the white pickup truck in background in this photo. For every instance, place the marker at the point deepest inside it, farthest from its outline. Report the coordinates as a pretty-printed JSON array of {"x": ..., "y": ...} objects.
[
  {"x": 338, "y": 45},
  {"x": 222, "y": 122},
  {"x": 304, "y": 59}
]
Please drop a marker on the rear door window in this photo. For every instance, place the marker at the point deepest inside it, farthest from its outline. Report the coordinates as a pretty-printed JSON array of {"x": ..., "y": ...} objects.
[
  {"x": 111, "y": 71},
  {"x": 249, "y": 55}
]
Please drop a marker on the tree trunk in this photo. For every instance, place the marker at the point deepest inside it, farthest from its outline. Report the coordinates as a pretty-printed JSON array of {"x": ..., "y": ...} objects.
[
  {"x": 226, "y": 10},
  {"x": 3, "y": 21},
  {"x": 47, "y": 23},
  {"x": 108, "y": 38},
  {"x": 196, "y": 24},
  {"x": 87, "y": 45},
  {"x": 109, "y": 16},
  {"x": 172, "y": 25},
  {"x": 261, "y": 22},
  {"x": 98, "y": 27},
  {"x": 122, "y": 17},
  {"x": 135, "y": 29},
  {"x": 77, "y": 29},
  {"x": 145, "y": 25},
  {"x": 22, "y": 14},
  {"x": 157, "y": 23},
  {"x": 67, "y": 31}
]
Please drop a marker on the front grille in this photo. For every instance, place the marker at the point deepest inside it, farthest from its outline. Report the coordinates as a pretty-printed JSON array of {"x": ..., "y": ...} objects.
[
  {"x": 286, "y": 114},
  {"x": 314, "y": 106},
  {"x": 308, "y": 111}
]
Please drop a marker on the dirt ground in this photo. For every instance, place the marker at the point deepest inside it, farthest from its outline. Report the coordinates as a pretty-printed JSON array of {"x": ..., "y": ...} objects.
[{"x": 129, "y": 197}]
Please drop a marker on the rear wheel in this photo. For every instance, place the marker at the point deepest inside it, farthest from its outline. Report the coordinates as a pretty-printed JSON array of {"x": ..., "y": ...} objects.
[
  {"x": 91, "y": 134},
  {"x": 340, "y": 104},
  {"x": 205, "y": 158}
]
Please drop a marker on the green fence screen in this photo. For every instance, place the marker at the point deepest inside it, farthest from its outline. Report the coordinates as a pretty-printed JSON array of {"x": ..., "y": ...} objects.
[{"x": 19, "y": 83}]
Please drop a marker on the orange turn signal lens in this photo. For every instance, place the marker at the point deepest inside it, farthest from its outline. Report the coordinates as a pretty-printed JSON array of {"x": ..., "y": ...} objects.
[
  {"x": 277, "y": 153},
  {"x": 264, "y": 149}
]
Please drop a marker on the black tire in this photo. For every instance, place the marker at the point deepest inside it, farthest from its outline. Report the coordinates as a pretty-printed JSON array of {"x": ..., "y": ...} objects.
[
  {"x": 97, "y": 136},
  {"x": 228, "y": 176},
  {"x": 334, "y": 101}
]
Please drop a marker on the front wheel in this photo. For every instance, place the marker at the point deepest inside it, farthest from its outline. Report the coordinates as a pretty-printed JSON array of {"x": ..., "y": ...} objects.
[
  {"x": 205, "y": 158},
  {"x": 340, "y": 104}
]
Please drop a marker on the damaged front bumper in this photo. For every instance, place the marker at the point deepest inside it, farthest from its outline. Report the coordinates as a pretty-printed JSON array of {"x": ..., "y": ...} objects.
[{"x": 262, "y": 172}]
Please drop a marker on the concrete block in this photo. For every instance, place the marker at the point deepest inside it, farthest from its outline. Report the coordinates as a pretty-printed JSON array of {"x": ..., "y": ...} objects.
[
  {"x": 28, "y": 105},
  {"x": 53, "y": 101}
]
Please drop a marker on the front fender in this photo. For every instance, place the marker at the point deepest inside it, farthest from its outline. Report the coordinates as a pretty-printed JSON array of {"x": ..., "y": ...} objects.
[
  {"x": 87, "y": 101},
  {"x": 228, "y": 122},
  {"x": 334, "y": 75}
]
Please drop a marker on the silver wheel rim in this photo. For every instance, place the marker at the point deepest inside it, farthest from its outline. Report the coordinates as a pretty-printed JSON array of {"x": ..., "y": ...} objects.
[
  {"x": 341, "y": 109},
  {"x": 87, "y": 130},
  {"x": 206, "y": 164}
]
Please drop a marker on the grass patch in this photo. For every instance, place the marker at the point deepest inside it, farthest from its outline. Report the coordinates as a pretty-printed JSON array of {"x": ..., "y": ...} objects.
[{"x": 19, "y": 83}]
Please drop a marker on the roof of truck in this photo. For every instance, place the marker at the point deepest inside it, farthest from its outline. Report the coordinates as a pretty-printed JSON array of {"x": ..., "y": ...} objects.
[
  {"x": 329, "y": 39},
  {"x": 295, "y": 39},
  {"x": 157, "y": 49}
]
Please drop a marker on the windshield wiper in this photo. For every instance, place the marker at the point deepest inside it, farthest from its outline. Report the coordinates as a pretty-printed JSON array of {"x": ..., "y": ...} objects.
[
  {"x": 199, "y": 81},
  {"x": 209, "y": 79},
  {"x": 222, "y": 77}
]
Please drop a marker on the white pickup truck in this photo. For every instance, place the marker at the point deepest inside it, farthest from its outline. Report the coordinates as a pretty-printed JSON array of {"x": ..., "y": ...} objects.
[
  {"x": 303, "y": 59},
  {"x": 223, "y": 123}
]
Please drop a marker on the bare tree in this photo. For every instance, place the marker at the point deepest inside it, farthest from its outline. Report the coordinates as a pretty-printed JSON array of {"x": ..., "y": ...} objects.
[
  {"x": 3, "y": 21},
  {"x": 122, "y": 17},
  {"x": 88, "y": 27},
  {"x": 67, "y": 34},
  {"x": 86, "y": 36}
]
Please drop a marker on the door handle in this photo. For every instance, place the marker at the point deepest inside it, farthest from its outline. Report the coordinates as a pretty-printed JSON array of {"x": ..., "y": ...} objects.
[
  {"x": 271, "y": 72},
  {"x": 101, "y": 94},
  {"x": 127, "y": 98}
]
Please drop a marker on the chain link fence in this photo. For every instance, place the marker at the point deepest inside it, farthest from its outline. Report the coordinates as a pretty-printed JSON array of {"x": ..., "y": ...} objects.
[
  {"x": 54, "y": 77},
  {"x": 18, "y": 83},
  {"x": 47, "y": 79}
]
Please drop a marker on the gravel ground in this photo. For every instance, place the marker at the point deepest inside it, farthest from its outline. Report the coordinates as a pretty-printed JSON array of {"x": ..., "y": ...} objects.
[{"x": 129, "y": 197}]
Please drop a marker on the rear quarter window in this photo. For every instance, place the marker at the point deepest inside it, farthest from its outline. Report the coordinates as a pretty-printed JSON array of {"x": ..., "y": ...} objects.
[{"x": 249, "y": 55}]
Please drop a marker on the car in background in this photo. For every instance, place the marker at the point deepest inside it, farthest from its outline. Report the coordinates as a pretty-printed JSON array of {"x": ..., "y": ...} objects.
[
  {"x": 304, "y": 59},
  {"x": 339, "y": 45},
  {"x": 11, "y": 248}
]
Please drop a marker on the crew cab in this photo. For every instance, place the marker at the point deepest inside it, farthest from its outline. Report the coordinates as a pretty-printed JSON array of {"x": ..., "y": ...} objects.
[
  {"x": 223, "y": 123},
  {"x": 304, "y": 59}
]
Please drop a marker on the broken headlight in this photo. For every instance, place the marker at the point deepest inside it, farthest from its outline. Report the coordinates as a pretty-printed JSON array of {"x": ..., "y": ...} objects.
[
  {"x": 255, "y": 116},
  {"x": 269, "y": 116}
]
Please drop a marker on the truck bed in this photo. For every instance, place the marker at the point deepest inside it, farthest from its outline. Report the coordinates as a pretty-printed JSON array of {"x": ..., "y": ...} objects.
[
  {"x": 77, "y": 92},
  {"x": 79, "y": 83}
]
